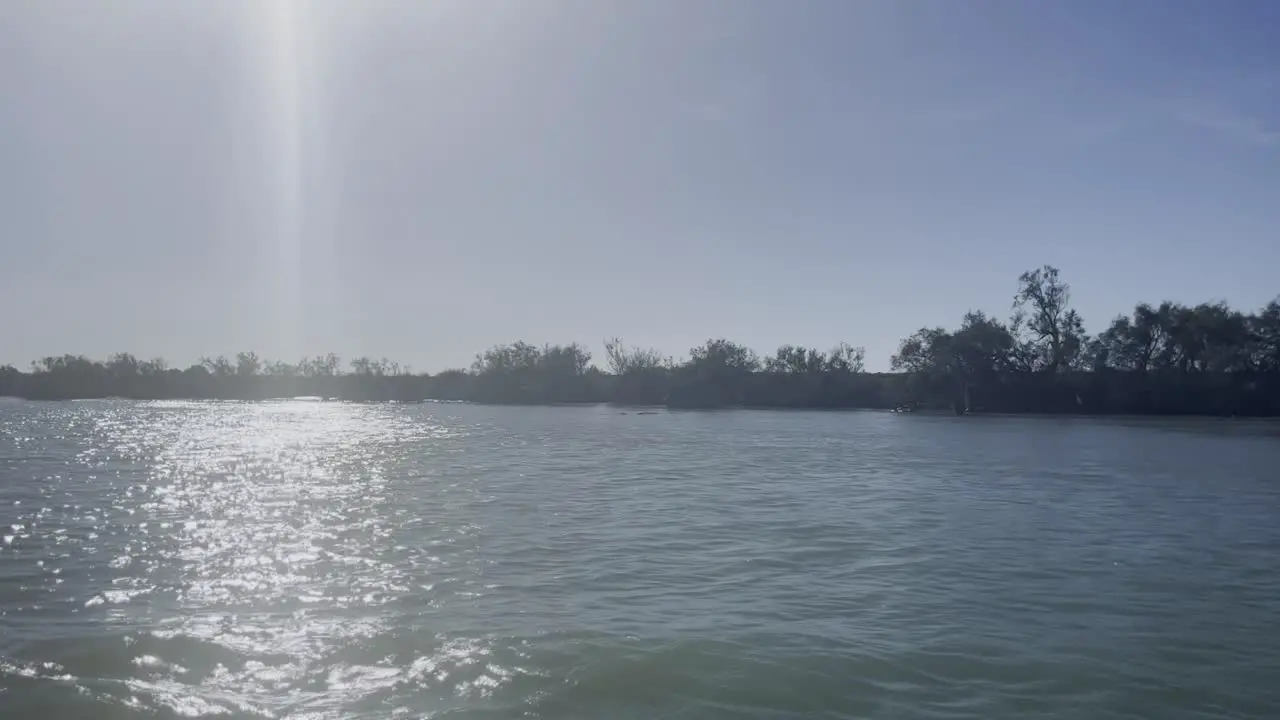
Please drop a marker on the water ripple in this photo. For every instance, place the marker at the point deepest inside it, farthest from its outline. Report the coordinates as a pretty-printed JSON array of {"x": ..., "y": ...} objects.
[{"x": 330, "y": 560}]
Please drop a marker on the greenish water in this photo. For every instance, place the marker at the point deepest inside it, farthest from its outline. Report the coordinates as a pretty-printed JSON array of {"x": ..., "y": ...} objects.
[{"x": 324, "y": 560}]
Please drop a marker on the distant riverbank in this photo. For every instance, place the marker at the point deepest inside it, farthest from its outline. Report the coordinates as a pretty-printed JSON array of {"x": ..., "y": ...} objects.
[
  {"x": 1085, "y": 393},
  {"x": 1169, "y": 359}
]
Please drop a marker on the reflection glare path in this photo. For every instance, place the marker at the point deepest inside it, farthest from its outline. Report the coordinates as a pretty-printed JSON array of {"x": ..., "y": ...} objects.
[
  {"x": 261, "y": 561},
  {"x": 329, "y": 560}
]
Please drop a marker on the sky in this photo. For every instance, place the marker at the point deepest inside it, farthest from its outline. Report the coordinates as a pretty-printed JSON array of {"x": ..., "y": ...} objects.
[{"x": 423, "y": 180}]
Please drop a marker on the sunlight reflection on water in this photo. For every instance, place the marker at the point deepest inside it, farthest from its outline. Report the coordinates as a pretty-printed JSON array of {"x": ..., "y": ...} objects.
[
  {"x": 254, "y": 543},
  {"x": 330, "y": 560}
]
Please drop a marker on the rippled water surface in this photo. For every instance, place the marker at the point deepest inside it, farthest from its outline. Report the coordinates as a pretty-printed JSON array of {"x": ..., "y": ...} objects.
[{"x": 326, "y": 560}]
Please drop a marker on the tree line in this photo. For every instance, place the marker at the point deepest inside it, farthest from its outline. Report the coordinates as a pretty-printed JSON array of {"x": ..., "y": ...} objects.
[
  {"x": 1164, "y": 359},
  {"x": 719, "y": 373}
]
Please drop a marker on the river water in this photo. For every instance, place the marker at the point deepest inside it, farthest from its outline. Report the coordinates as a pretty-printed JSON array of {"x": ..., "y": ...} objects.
[{"x": 327, "y": 560}]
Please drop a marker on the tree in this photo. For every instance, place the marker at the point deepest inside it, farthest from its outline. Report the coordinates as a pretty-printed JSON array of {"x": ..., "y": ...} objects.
[
  {"x": 1264, "y": 329},
  {"x": 845, "y": 358},
  {"x": 717, "y": 356},
  {"x": 154, "y": 367},
  {"x": 1208, "y": 337},
  {"x": 319, "y": 366},
  {"x": 280, "y": 369},
  {"x": 502, "y": 359},
  {"x": 715, "y": 375},
  {"x": 361, "y": 366},
  {"x": 924, "y": 351},
  {"x": 641, "y": 375},
  {"x": 796, "y": 360},
  {"x": 624, "y": 360},
  {"x": 247, "y": 364},
  {"x": 570, "y": 360},
  {"x": 123, "y": 365},
  {"x": 10, "y": 380},
  {"x": 218, "y": 367},
  {"x": 1054, "y": 332},
  {"x": 981, "y": 347}
]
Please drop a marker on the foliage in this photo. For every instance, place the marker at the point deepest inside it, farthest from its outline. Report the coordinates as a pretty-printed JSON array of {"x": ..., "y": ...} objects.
[
  {"x": 1049, "y": 332},
  {"x": 1167, "y": 358},
  {"x": 625, "y": 360}
]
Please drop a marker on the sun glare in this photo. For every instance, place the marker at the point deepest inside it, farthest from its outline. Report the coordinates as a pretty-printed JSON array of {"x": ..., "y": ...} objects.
[{"x": 283, "y": 71}]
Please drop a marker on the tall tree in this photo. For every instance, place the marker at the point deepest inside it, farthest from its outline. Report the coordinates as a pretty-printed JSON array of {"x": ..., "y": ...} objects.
[
  {"x": 1054, "y": 332},
  {"x": 1264, "y": 328},
  {"x": 248, "y": 364},
  {"x": 624, "y": 360},
  {"x": 721, "y": 356},
  {"x": 795, "y": 359},
  {"x": 924, "y": 351},
  {"x": 845, "y": 358}
]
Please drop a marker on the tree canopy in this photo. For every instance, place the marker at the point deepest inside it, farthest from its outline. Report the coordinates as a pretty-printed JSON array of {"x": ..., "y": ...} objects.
[{"x": 1164, "y": 358}]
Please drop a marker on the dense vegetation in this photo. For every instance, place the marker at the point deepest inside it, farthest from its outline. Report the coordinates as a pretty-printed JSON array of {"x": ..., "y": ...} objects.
[{"x": 1167, "y": 359}]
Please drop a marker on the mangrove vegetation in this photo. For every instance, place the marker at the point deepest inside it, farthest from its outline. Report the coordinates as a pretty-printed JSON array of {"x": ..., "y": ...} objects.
[{"x": 1158, "y": 359}]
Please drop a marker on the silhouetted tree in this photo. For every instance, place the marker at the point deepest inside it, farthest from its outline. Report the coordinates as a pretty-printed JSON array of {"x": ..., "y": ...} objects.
[
  {"x": 247, "y": 364},
  {"x": 1170, "y": 358},
  {"x": 623, "y": 359},
  {"x": 1053, "y": 331},
  {"x": 219, "y": 366},
  {"x": 1264, "y": 330},
  {"x": 846, "y": 358}
]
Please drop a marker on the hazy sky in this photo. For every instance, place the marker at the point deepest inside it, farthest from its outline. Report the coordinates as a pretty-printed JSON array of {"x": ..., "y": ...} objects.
[{"x": 422, "y": 180}]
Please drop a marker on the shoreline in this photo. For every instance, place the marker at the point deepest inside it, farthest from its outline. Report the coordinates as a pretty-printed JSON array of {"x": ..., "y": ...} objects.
[{"x": 651, "y": 409}]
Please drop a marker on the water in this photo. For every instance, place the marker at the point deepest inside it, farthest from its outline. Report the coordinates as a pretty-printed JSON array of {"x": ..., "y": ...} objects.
[{"x": 323, "y": 560}]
